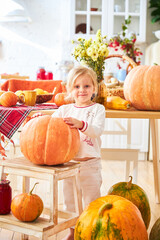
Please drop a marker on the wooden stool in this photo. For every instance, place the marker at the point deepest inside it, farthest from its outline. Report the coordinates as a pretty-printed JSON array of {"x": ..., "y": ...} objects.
[{"x": 57, "y": 220}]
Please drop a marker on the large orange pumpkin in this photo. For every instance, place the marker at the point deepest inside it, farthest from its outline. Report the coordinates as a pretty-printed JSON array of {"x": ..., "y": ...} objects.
[
  {"x": 27, "y": 207},
  {"x": 141, "y": 87},
  {"x": 8, "y": 99},
  {"x": 111, "y": 218},
  {"x": 50, "y": 141}
]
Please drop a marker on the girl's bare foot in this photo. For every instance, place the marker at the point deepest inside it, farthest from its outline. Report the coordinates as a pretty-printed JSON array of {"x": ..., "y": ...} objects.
[{"x": 70, "y": 235}]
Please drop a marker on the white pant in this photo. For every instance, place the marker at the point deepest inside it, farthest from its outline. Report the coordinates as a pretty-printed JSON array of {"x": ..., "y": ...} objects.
[{"x": 90, "y": 183}]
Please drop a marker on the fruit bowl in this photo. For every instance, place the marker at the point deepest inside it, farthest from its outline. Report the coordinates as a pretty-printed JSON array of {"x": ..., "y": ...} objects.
[{"x": 44, "y": 98}]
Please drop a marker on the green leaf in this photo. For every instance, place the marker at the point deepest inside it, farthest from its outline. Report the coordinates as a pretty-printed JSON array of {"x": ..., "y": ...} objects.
[
  {"x": 155, "y": 19},
  {"x": 156, "y": 12}
]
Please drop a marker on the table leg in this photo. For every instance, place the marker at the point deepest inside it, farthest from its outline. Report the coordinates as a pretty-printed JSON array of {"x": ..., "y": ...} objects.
[
  {"x": 155, "y": 150},
  {"x": 25, "y": 184}
]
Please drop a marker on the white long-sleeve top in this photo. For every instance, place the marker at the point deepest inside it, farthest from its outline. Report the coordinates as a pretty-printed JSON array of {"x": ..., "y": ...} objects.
[{"x": 93, "y": 117}]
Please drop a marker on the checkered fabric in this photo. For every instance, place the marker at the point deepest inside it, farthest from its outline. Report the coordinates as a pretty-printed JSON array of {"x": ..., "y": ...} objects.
[{"x": 11, "y": 118}]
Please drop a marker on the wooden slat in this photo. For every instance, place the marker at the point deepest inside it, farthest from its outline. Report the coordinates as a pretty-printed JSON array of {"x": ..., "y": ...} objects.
[
  {"x": 128, "y": 113},
  {"x": 22, "y": 163},
  {"x": 132, "y": 113},
  {"x": 41, "y": 224}
]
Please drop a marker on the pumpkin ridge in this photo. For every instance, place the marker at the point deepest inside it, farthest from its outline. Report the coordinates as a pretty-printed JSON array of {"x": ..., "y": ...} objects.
[
  {"x": 115, "y": 231},
  {"x": 34, "y": 156},
  {"x": 70, "y": 143},
  {"x": 97, "y": 231},
  {"x": 20, "y": 212},
  {"x": 26, "y": 201},
  {"x": 27, "y": 132},
  {"x": 147, "y": 88},
  {"x": 37, "y": 205},
  {"x": 46, "y": 142},
  {"x": 35, "y": 136}
]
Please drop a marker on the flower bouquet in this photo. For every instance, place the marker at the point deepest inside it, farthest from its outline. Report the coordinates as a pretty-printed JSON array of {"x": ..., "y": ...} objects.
[{"x": 92, "y": 53}]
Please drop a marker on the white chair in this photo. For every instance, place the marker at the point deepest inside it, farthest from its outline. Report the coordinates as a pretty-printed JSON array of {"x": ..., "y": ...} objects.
[{"x": 122, "y": 151}]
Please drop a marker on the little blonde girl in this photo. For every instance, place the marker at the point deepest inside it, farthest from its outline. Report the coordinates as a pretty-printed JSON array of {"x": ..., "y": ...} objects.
[{"x": 89, "y": 118}]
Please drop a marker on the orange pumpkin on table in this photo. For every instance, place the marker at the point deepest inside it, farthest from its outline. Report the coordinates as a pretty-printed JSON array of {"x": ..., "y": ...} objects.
[
  {"x": 141, "y": 87},
  {"x": 62, "y": 98},
  {"x": 8, "y": 99},
  {"x": 49, "y": 141}
]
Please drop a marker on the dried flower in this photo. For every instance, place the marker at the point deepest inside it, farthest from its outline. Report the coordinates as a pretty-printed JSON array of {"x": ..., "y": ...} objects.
[
  {"x": 126, "y": 44},
  {"x": 92, "y": 53}
]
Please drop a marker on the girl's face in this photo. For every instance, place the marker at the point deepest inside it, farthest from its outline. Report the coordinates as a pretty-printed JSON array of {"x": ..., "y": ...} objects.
[{"x": 83, "y": 89}]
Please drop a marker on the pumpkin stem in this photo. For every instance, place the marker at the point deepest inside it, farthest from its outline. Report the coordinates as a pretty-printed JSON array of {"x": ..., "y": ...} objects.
[
  {"x": 129, "y": 184},
  {"x": 104, "y": 207},
  {"x": 30, "y": 193}
]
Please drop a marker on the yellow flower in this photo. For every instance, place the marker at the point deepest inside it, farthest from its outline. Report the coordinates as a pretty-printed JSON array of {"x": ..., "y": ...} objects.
[
  {"x": 98, "y": 34},
  {"x": 83, "y": 62},
  {"x": 87, "y": 43},
  {"x": 103, "y": 51},
  {"x": 89, "y": 51},
  {"x": 83, "y": 53},
  {"x": 92, "y": 53},
  {"x": 80, "y": 39}
]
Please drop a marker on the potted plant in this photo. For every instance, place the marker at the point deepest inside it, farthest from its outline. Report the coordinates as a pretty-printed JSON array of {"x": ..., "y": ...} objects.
[{"x": 155, "y": 14}]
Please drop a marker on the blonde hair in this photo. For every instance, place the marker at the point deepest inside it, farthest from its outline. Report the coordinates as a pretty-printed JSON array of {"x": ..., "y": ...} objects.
[{"x": 78, "y": 71}]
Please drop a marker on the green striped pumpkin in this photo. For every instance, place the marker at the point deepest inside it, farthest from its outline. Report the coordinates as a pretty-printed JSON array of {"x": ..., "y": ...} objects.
[
  {"x": 155, "y": 231},
  {"x": 136, "y": 195},
  {"x": 110, "y": 218}
]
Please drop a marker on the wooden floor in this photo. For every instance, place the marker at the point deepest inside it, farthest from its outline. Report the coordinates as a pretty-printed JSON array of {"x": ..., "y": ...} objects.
[{"x": 113, "y": 172}]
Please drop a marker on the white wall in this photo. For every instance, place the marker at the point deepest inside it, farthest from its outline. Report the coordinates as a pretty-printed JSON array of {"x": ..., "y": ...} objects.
[
  {"x": 26, "y": 46},
  {"x": 44, "y": 41}
]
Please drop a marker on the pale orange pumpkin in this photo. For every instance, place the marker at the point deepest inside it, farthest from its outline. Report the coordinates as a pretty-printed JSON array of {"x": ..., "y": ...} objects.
[
  {"x": 141, "y": 87},
  {"x": 8, "y": 99},
  {"x": 27, "y": 207},
  {"x": 50, "y": 141},
  {"x": 62, "y": 98}
]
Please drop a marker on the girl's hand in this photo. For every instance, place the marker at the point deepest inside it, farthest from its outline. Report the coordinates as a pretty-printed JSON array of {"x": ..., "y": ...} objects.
[{"x": 73, "y": 122}]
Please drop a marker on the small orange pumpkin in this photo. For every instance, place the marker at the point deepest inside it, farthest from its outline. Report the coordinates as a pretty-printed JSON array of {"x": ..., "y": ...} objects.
[
  {"x": 141, "y": 87},
  {"x": 62, "y": 98},
  {"x": 27, "y": 207},
  {"x": 50, "y": 141},
  {"x": 8, "y": 99}
]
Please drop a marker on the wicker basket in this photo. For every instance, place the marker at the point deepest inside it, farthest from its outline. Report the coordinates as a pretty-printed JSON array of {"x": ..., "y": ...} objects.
[
  {"x": 118, "y": 90},
  {"x": 44, "y": 98}
]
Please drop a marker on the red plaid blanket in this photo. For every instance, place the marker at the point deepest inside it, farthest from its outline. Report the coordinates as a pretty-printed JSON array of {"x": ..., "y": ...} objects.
[{"x": 11, "y": 118}]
